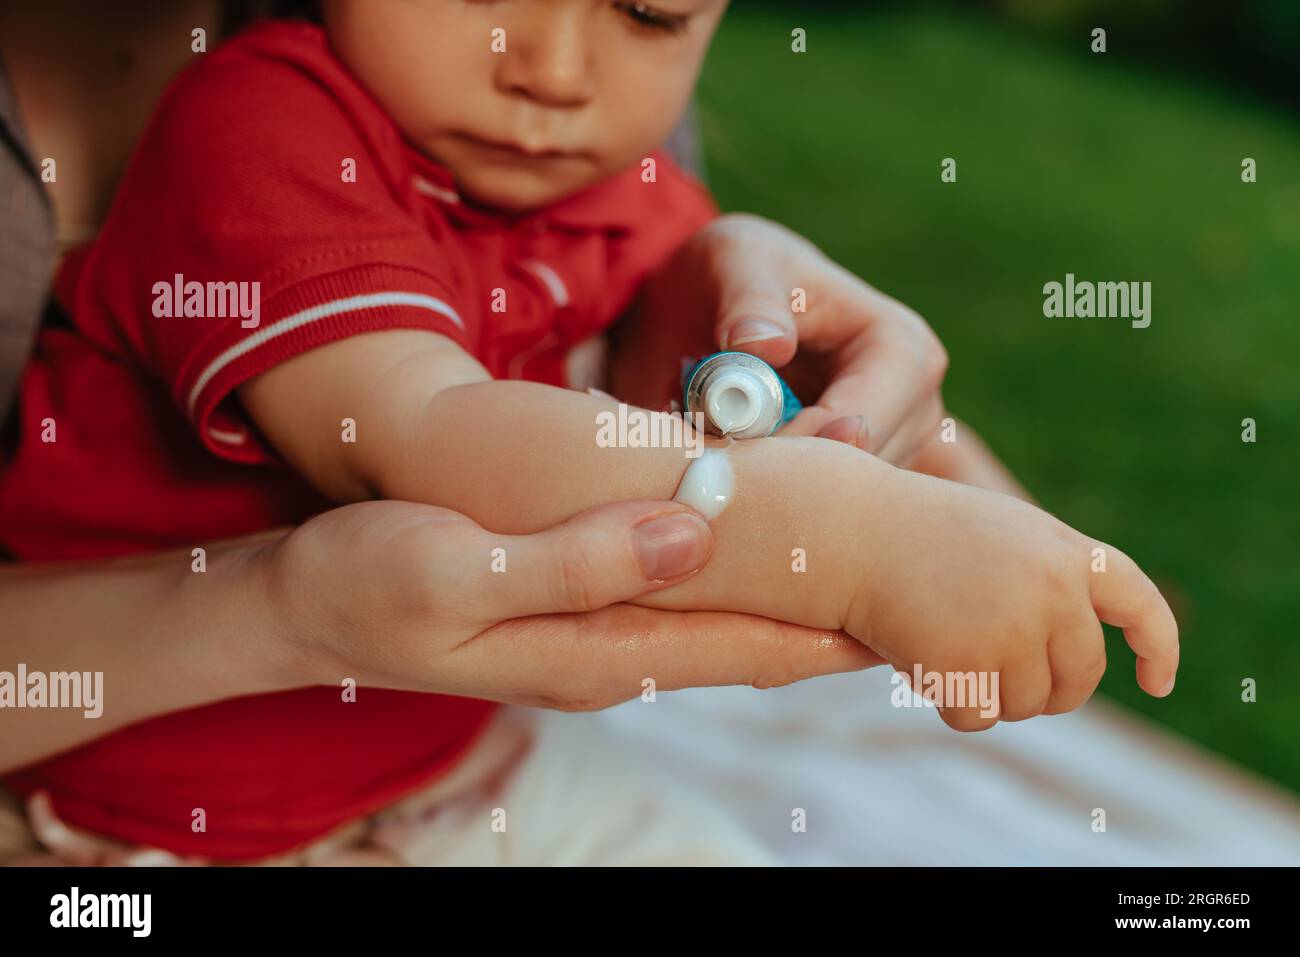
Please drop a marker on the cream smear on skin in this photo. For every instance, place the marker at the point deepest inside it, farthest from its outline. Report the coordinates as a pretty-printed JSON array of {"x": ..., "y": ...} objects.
[{"x": 709, "y": 483}]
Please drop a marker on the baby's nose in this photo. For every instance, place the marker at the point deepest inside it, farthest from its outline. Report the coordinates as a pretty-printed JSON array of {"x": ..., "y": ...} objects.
[{"x": 547, "y": 59}]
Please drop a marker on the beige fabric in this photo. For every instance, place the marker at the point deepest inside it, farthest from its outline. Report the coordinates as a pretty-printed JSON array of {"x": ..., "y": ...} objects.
[
  {"x": 16, "y": 838},
  {"x": 886, "y": 785},
  {"x": 539, "y": 789},
  {"x": 875, "y": 785}
]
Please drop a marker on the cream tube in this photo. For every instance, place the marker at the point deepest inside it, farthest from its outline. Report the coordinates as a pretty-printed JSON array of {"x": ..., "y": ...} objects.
[
  {"x": 709, "y": 484},
  {"x": 738, "y": 395}
]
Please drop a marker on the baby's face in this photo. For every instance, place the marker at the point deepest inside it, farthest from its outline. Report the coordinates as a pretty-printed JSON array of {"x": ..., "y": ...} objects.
[{"x": 583, "y": 89}]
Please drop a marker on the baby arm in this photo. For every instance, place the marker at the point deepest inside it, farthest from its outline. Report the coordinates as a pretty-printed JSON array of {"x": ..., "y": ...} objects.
[
  {"x": 519, "y": 457},
  {"x": 924, "y": 571}
]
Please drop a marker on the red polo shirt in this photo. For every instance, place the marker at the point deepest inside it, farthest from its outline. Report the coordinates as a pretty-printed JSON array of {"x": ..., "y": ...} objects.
[{"x": 244, "y": 177}]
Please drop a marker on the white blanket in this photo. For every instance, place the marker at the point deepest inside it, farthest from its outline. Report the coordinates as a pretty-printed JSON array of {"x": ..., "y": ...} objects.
[{"x": 887, "y": 785}]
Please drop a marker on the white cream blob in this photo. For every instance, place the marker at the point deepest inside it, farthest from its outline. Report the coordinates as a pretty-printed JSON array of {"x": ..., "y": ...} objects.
[{"x": 709, "y": 484}]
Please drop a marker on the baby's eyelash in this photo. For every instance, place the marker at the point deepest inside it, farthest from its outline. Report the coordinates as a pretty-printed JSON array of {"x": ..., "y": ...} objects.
[{"x": 645, "y": 15}]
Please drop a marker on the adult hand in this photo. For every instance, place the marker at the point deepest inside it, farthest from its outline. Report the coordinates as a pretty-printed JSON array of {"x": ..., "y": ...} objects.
[
  {"x": 401, "y": 595},
  {"x": 873, "y": 366}
]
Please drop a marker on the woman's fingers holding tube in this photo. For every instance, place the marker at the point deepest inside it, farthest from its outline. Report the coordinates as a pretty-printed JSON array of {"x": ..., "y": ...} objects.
[
  {"x": 814, "y": 420},
  {"x": 746, "y": 266},
  {"x": 923, "y": 423},
  {"x": 909, "y": 435}
]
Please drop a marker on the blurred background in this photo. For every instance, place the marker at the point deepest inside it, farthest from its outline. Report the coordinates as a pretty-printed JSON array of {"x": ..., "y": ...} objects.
[{"x": 1124, "y": 166}]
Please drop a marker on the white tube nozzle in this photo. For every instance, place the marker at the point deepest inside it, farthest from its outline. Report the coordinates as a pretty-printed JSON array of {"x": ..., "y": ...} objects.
[{"x": 734, "y": 400}]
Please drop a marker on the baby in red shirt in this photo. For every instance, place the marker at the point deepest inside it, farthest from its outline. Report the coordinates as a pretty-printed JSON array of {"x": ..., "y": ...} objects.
[{"x": 373, "y": 250}]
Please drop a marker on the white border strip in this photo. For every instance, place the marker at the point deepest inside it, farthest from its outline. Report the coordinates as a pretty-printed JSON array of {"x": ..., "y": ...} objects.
[
  {"x": 230, "y": 438},
  {"x": 422, "y": 185},
  {"x": 310, "y": 315},
  {"x": 550, "y": 278}
]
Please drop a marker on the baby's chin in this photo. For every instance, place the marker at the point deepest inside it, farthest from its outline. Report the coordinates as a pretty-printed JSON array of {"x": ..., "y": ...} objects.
[{"x": 518, "y": 191}]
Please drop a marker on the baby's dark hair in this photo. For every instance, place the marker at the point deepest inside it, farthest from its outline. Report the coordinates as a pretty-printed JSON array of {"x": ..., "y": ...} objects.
[
  {"x": 298, "y": 9},
  {"x": 237, "y": 14}
]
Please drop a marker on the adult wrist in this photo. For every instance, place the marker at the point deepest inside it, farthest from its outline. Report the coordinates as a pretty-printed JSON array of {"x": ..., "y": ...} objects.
[{"x": 234, "y": 608}]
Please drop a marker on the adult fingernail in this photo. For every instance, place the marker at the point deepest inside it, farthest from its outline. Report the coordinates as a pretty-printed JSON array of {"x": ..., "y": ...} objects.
[
  {"x": 752, "y": 330},
  {"x": 851, "y": 430},
  {"x": 671, "y": 545}
]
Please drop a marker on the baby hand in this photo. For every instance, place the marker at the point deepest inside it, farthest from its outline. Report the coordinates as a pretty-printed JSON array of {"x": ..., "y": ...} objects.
[{"x": 964, "y": 580}]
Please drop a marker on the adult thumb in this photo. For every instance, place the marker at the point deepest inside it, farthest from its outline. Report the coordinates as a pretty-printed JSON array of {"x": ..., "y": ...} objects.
[
  {"x": 605, "y": 555},
  {"x": 754, "y": 314}
]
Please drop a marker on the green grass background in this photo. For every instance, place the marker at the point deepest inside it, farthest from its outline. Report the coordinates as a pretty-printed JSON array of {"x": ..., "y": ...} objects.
[{"x": 1113, "y": 170}]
